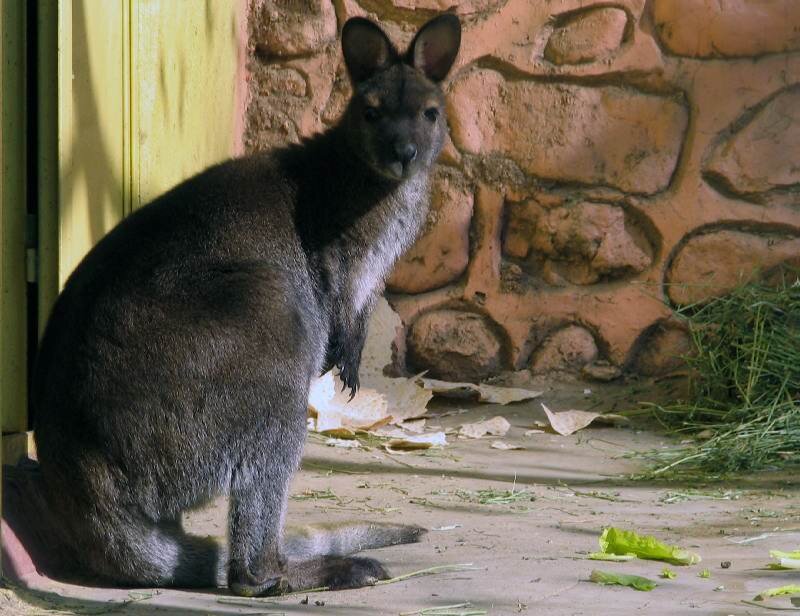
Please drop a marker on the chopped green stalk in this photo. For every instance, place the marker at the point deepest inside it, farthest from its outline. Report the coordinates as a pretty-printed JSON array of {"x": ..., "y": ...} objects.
[
  {"x": 778, "y": 554},
  {"x": 785, "y": 564},
  {"x": 786, "y": 560},
  {"x": 705, "y": 573},
  {"x": 668, "y": 573},
  {"x": 617, "y": 541},
  {"x": 632, "y": 581},
  {"x": 790, "y": 589},
  {"x": 611, "y": 557}
]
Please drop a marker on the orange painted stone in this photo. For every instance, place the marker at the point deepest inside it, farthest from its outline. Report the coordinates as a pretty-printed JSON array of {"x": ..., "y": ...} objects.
[
  {"x": 579, "y": 244},
  {"x": 275, "y": 80},
  {"x": 586, "y": 36},
  {"x": 661, "y": 350},
  {"x": 727, "y": 28},
  {"x": 454, "y": 345},
  {"x": 567, "y": 349},
  {"x": 603, "y": 135},
  {"x": 287, "y": 29},
  {"x": 763, "y": 155},
  {"x": 610, "y": 151},
  {"x": 714, "y": 263},
  {"x": 459, "y": 8}
]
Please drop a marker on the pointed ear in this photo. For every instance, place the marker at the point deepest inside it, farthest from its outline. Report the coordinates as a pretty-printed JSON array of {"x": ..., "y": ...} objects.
[
  {"x": 366, "y": 49},
  {"x": 435, "y": 47}
]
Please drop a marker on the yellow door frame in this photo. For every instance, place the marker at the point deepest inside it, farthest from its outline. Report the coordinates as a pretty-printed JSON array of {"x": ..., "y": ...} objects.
[
  {"x": 13, "y": 152},
  {"x": 132, "y": 97}
]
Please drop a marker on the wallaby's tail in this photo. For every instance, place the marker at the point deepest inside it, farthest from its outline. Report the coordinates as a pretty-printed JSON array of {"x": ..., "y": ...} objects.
[
  {"x": 343, "y": 538},
  {"x": 28, "y": 514}
]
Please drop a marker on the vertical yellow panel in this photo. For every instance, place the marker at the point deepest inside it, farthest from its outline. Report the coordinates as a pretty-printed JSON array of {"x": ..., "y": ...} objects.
[
  {"x": 187, "y": 60},
  {"x": 148, "y": 93},
  {"x": 53, "y": 18},
  {"x": 92, "y": 125},
  {"x": 12, "y": 217}
]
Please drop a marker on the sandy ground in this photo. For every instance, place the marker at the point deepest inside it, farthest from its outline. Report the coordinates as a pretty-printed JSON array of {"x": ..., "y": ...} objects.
[{"x": 526, "y": 556}]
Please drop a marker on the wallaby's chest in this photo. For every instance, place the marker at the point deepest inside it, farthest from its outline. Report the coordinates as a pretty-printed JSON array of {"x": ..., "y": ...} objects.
[{"x": 393, "y": 227}]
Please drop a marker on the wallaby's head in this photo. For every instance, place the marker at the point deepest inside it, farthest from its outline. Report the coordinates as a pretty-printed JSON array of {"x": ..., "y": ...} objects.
[{"x": 395, "y": 120}]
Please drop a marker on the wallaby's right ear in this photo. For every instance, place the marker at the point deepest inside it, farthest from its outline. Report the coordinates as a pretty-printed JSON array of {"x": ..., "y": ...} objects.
[{"x": 366, "y": 49}]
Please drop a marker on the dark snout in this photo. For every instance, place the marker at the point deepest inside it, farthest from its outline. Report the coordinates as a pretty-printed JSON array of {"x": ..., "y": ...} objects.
[{"x": 404, "y": 153}]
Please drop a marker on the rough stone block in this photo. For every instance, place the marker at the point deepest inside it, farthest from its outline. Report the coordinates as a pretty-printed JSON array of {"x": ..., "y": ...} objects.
[
  {"x": 567, "y": 349},
  {"x": 763, "y": 156},
  {"x": 581, "y": 243},
  {"x": 286, "y": 28},
  {"x": 712, "y": 264},
  {"x": 660, "y": 350},
  {"x": 454, "y": 345},
  {"x": 727, "y": 28},
  {"x": 586, "y": 36},
  {"x": 603, "y": 135}
]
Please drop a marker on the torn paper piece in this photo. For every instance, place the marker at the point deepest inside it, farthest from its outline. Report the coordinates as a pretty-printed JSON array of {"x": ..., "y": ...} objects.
[
  {"x": 342, "y": 443},
  {"x": 331, "y": 408},
  {"x": 502, "y": 445},
  {"x": 496, "y": 426},
  {"x": 416, "y": 426},
  {"x": 415, "y": 442},
  {"x": 483, "y": 393},
  {"x": 404, "y": 398},
  {"x": 567, "y": 422}
]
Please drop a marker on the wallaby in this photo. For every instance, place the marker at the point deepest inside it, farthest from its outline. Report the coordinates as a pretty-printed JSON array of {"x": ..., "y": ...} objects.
[{"x": 177, "y": 360}]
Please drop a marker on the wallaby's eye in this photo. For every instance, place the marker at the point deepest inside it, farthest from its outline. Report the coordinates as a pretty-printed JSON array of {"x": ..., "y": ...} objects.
[
  {"x": 371, "y": 114},
  {"x": 432, "y": 113}
]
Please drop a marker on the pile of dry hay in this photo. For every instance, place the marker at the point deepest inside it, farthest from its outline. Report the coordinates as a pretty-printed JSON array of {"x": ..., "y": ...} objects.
[{"x": 743, "y": 411}]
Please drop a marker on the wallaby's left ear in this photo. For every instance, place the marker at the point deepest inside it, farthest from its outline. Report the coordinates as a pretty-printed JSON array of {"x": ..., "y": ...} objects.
[
  {"x": 366, "y": 49},
  {"x": 435, "y": 47}
]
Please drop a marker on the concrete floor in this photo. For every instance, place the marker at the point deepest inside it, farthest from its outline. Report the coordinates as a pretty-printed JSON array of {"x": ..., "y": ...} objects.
[{"x": 529, "y": 555}]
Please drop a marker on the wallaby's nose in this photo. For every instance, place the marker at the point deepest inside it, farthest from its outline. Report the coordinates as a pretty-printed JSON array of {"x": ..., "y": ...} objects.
[{"x": 406, "y": 152}]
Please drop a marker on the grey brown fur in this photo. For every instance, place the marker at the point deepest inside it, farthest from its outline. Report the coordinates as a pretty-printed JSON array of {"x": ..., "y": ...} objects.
[{"x": 177, "y": 361}]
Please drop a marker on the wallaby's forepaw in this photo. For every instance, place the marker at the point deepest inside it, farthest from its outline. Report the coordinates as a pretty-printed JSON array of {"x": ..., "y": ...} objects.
[{"x": 348, "y": 373}]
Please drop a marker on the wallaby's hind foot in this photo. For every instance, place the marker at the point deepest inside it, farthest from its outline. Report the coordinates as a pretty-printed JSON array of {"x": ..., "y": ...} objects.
[
  {"x": 334, "y": 573},
  {"x": 245, "y": 584},
  {"x": 330, "y": 572},
  {"x": 317, "y": 556}
]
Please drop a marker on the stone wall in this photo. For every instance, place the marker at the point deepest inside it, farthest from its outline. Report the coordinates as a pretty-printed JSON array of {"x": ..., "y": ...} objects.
[{"x": 607, "y": 160}]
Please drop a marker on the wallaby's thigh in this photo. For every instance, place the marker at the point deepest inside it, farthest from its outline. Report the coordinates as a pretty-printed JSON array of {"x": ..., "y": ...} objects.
[{"x": 90, "y": 526}]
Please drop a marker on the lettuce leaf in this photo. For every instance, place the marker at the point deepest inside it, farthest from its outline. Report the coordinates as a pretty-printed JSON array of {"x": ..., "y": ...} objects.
[
  {"x": 632, "y": 581},
  {"x": 617, "y": 541},
  {"x": 612, "y": 557}
]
